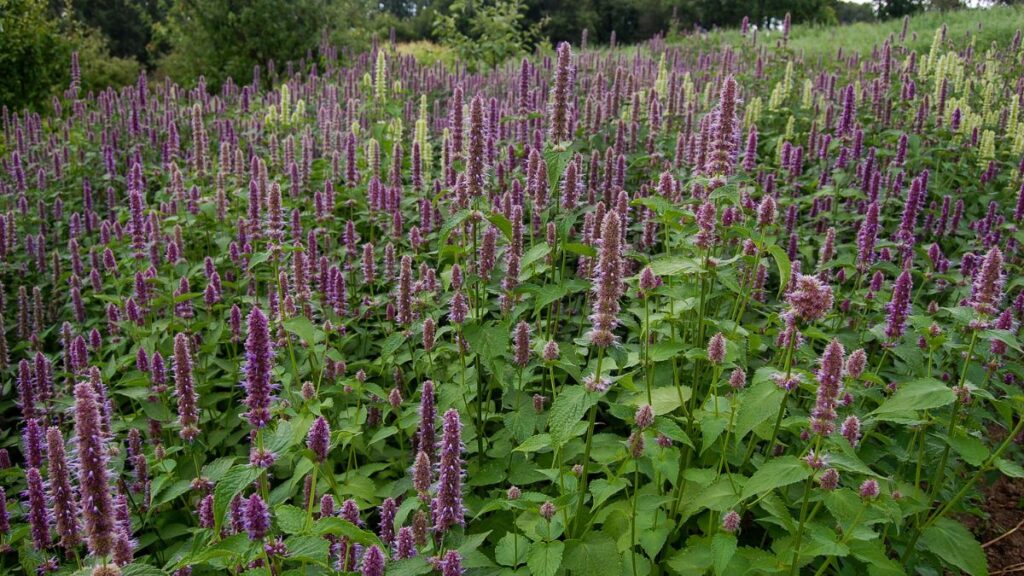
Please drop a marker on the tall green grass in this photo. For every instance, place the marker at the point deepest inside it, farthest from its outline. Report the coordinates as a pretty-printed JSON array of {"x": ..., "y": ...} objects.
[{"x": 986, "y": 24}]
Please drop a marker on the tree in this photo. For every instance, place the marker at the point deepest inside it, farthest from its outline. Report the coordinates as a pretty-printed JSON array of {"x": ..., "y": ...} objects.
[
  {"x": 34, "y": 54},
  {"x": 223, "y": 39}
]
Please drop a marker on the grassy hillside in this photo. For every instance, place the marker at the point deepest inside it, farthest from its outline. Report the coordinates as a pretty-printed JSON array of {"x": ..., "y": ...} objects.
[{"x": 986, "y": 25}]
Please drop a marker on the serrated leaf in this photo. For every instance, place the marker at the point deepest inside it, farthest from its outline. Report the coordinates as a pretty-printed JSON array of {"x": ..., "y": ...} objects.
[
  {"x": 594, "y": 555},
  {"x": 291, "y": 519},
  {"x": 971, "y": 449},
  {"x": 308, "y": 548},
  {"x": 545, "y": 558},
  {"x": 758, "y": 403},
  {"x": 566, "y": 411},
  {"x": 776, "y": 473},
  {"x": 414, "y": 566},
  {"x": 233, "y": 483},
  {"x": 920, "y": 394},
  {"x": 603, "y": 489},
  {"x": 949, "y": 540},
  {"x": 534, "y": 443},
  {"x": 783, "y": 263},
  {"x": 304, "y": 329},
  {"x": 723, "y": 548},
  {"x": 1010, "y": 468},
  {"x": 511, "y": 550},
  {"x": 339, "y": 527}
]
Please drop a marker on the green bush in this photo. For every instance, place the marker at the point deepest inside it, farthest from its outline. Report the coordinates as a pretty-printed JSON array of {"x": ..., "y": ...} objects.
[
  {"x": 219, "y": 40},
  {"x": 34, "y": 54},
  {"x": 486, "y": 34}
]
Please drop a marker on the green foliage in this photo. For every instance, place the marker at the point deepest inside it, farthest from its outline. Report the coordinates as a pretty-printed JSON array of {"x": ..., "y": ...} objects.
[
  {"x": 219, "y": 40},
  {"x": 486, "y": 34},
  {"x": 34, "y": 54}
]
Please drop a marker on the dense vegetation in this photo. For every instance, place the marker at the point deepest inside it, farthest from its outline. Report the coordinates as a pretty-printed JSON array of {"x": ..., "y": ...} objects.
[
  {"x": 668, "y": 309},
  {"x": 219, "y": 39}
]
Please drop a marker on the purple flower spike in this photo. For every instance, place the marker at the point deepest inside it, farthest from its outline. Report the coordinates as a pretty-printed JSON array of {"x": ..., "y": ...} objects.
[
  {"x": 256, "y": 517},
  {"x": 561, "y": 91},
  {"x": 830, "y": 378},
  {"x": 987, "y": 290},
  {"x": 259, "y": 358},
  {"x": 428, "y": 416},
  {"x": 319, "y": 438},
  {"x": 810, "y": 298},
  {"x": 716, "y": 349},
  {"x": 451, "y": 564},
  {"x": 38, "y": 516},
  {"x": 447, "y": 506},
  {"x": 731, "y": 521},
  {"x": 65, "y": 506},
  {"x": 607, "y": 282},
  {"x": 388, "y": 510},
  {"x": 521, "y": 344},
  {"x": 373, "y": 562},
  {"x": 899, "y": 306},
  {"x": 97, "y": 505},
  {"x": 188, "y": 411},
  {"x": 405, "y": 546},
  {"x": 851, "y": 430}
]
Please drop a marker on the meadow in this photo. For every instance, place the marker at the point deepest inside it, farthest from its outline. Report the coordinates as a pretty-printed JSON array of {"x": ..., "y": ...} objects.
[{"x": 718, "y": 304}]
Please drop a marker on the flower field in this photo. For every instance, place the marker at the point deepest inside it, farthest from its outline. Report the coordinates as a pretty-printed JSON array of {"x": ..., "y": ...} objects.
[{"x": 664, "y": 309}]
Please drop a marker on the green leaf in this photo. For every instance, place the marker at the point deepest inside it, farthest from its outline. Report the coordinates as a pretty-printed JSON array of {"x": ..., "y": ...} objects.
[
  {"x": 501, "y": 223},
  {"x": 535, "y": 443},
  {"x": 955, "y": 544},
  {"x": 308, "y": 548},
  {"x": 304, "y": 329},
  {"x": 508, "y": 547},
  {"x": 291, "y": 519},
  {"x": 1010, "y": 468},
  {"x": 776, "y": 473},
  {"x": 545, "y": 558},
  {"x": 595, "y": 555},
  {"x": 567, "y": 410},
  {"x": 758, "y": 403},
  {"x": 603, "y": 489},
  {"x": 233, "y": 483},
  {"x": 920, "y": 394},
  {"x": 581, "y": 249},
  {"x": 785, "y": 266},
  {"x": 970, "y": 448},
  {"x": 142, "y": 570},
  {"x": 665, "y": 400},
  {"x": 723, "y": 547},
  {"x": 338, "y": 527},
  {"x": 414, "y": 566}
]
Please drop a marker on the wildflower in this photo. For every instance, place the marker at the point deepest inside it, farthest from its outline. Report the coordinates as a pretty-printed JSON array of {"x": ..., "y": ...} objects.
[
  {"x": 259, "y": 357},
  {"x": 644, "y": 417},
  {"x": 716, "y": 349},
  {"x": 547, "y": 510},
  {"x": 62, "y": 495},
  {"x": 851, "y": 430},
  {"x": 869, "y": 489},
  {"x": 521, "y": 344},
  {"x": 97, "y": 506},
  {"x": 373, "y": 562},
  {"x": 810, "y": 298},
  {"x": 829, "y": 479},
  {"x": 987, "y": 289},
  {"x": 738, "y": 379},
  {"x": 405, "y": 546},
  {"x": 731, "y": 521},
  {"x": 899, "y": 306},
  {"x": 830, "y": 376},
  {"x": 607, "y": 283},
  {"x": 319, "y": 439},
  {"x": 447, "y": 505},
  {"x": 188, "y": 411}
]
